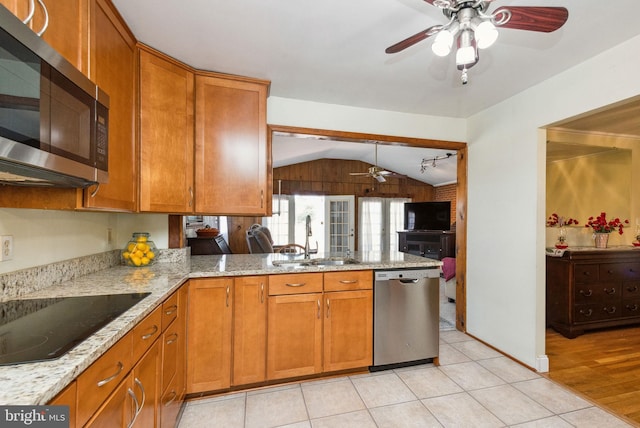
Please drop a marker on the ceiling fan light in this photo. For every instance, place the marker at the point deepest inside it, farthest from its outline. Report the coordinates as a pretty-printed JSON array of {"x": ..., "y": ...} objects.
[
  {"x": 466, "y": 53},
  {"x": 486, "y": 34},
  {"x": 442, "y": 43}
]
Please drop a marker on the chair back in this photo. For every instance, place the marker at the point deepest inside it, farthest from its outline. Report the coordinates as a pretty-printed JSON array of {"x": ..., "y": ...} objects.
[{"x": 259, "y": 239}]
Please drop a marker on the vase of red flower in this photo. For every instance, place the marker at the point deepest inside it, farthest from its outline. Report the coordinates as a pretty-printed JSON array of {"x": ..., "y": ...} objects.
[
  {"x": 555, "y": 220},
  {"x": 602, "y": 228}
]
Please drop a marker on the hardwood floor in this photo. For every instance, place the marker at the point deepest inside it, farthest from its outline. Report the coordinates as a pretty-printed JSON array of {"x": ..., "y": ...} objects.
[{"x": 602, "y": 365}]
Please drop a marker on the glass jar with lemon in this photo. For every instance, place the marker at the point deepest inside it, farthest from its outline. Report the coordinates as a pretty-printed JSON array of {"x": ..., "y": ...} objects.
[{"x": 140, "y": 250}]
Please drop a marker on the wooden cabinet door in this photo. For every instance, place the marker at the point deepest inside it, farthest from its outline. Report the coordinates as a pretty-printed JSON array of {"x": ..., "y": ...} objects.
[
  {"x": 294, "y": 342},
  {"x": 67, "y": 28},
  {"x": 249, "y": 330},
  {"x": 166, "y": 134},
  {"x": 67, "y": 397},
  {"x": 146, "y": 376},
  {"x": 209, "y": 339},
  {"x": 348, "y": 330},
  {"x": 118, "y": 410},
  {"x": 113, "y": 69},
  {"x": 232, "y": 156}
]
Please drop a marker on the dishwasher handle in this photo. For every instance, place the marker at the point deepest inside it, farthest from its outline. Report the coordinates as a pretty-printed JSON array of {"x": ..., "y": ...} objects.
[{"x": 408, "y": 281}]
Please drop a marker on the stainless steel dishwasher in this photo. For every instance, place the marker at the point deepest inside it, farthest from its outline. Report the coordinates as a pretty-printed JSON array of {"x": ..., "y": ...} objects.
[{"x": 406, "y": 317}]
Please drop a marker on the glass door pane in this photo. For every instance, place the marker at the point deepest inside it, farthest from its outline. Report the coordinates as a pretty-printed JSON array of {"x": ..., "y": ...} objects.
[{"x": 340, "y": 216}]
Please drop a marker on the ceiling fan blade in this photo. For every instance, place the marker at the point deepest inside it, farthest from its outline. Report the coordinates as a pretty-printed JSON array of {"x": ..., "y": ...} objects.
[
  {"x": 380, "y": 178},
  {"x": 533, "y": 18},
  {"x": 359, "y": 173},
  {"x": 410, "y": 41}
]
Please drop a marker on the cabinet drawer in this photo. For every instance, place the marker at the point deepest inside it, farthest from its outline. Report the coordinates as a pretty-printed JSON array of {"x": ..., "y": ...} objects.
[
  {"x": 101, "y": 378},
  {"x": 171, "y": 341},
  {"x": 627, "y": 271},
  {"x": 348, "y": 280},
  {"x": 586, "y": 273},
  {"x": 596, "y": 312},
  {"x": 299, "y": 283},
  {"x": 145, "y": 333},
  {"x": 631, "y": 290},
  {"x": 170, "y": 310},
  {"x": 599, "y": 292}
]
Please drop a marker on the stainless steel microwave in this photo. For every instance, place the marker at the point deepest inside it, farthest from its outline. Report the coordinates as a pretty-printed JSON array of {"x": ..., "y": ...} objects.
[{"x": 54, "y": 121}]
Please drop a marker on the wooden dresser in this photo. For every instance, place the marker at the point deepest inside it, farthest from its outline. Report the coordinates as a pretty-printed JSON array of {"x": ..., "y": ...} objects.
[{"x": 590, "y": 289}]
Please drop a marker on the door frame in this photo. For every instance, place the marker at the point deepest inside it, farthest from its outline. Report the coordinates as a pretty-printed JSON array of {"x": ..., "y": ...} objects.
[{"x": 461, "y": 193}]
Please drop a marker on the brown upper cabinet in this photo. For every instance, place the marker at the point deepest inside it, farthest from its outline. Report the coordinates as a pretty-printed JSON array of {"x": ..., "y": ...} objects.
[
  {"x": 113, "y": 68},
  {"x": 231, "y": 146},
  {"x": 166, "y": 134}
]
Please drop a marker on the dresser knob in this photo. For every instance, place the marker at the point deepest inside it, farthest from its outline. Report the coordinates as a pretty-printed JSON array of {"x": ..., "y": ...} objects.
[
  {"x": 610, "y": 291},
  {"x": 610, "y": 311},
  {"x": 632, "y": 308},
  {"x": 586, "y": 294},
  {"x": 586, "y": 313},
  {"x": 632, "y": 289}
]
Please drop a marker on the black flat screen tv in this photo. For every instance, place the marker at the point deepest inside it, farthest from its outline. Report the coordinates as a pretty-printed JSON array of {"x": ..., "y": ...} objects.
[{"x": 427, "y": 215}]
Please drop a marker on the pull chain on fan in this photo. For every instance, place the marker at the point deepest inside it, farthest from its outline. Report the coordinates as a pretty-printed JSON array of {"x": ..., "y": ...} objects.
[{"x": 471, "y": 28}]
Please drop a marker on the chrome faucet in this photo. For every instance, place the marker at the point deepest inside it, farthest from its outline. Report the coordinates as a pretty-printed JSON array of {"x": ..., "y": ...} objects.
[{"x": 308, "y": 234}]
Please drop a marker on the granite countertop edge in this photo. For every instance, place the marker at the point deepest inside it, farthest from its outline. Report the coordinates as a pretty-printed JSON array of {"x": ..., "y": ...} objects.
[{"x": 38, "y": 382}]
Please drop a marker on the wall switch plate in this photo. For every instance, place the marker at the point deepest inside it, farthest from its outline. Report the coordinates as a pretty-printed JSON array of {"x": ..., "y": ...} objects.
[
  {"x": 6, "y": 247},
  {"x": 109, "y": 236}
]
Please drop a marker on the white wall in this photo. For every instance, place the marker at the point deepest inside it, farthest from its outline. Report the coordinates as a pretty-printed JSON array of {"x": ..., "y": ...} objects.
[
  {"x": 506, "y": 197},
  {"x": 46, "y": 236}
]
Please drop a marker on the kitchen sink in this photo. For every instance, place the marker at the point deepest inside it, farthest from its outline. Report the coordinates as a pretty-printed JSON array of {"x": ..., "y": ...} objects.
[{"x": 328, "y": 261}]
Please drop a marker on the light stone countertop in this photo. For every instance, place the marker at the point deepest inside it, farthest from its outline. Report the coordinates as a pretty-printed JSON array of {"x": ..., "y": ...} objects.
[{"x": 39, "y": 382}]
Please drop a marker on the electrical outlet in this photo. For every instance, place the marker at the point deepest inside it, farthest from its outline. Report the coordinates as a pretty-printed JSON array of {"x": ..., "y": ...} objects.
[{"x": 6, "y": 247}]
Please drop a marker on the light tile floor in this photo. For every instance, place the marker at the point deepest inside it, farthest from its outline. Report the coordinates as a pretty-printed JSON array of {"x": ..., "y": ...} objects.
[{"x": 474, "y": 386}]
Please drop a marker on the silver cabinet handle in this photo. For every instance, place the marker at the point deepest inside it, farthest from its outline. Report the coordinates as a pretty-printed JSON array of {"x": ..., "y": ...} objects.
[
  {"x": 149, "y": 335},
  {"x": 32, "y": 11},
  {"x": 171, "y": 339},
  {"x": 319, "y": 307},
  {"x": 328, "y": 307},
  {"x": 95, "y": 191},
  {"x": 190, "y": 196},
  {"x": 144, "y": 394},
  {"x": 296, "y": 284},
  {"x": 262, "y": 292},
  {"x": 135, "y": 401},
  {"x": 227, "y": 298},
  {"x": 46, "y": 19},
  {"x": 112, "y": 377},
  {"x": 344, "y": 281},
  {"x": 171, "y": 309}
]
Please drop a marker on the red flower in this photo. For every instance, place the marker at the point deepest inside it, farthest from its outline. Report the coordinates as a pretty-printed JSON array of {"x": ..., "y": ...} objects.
[
  {"x": 555, "y": 220},
  {"x": 601, "y": 225}
]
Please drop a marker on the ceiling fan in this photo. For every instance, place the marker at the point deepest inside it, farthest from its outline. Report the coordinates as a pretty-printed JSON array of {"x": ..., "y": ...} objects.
[
  {"x": 376, "y": 172},
  {"x": 472, "y": 28}
]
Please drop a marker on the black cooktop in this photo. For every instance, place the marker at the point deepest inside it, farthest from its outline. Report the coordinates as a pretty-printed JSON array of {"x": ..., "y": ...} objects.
[{"x": 43, "y": 329}]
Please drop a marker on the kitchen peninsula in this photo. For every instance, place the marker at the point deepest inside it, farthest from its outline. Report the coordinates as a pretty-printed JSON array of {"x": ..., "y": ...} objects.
[{"x": 39, "y": 382}]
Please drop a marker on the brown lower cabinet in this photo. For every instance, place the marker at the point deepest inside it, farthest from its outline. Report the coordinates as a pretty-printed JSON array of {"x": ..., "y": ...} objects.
[
  {"x": 257, "y": 329},
  {"x": 126, "y": 385}
]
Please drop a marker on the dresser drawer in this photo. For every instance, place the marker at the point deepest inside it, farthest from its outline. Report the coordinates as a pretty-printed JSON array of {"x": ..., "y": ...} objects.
[
  {"x": 592, "y": 293},
  {"x": 596, "y": 312},
  {"x": 348, "y": 280},
  {"x": 617, "y": 271},
  {"x": 586, "y": 273},
  {"x": 631, "y": 290},
  {"x": 299, "y": 283}
]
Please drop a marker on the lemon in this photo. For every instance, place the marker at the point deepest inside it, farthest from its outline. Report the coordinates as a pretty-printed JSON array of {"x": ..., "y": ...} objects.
[
  {"x": 126, "y": 255},
  {"x": 142, "y": 247},
  {"x": 139, "y": 254},
  {"x": 145, "y": 261},
  {"x": 136, "y": 260},
  {"x": 131, "y": 247},
  {"x": 150, "y": 255},
  {"x": 141, "y": 239}
]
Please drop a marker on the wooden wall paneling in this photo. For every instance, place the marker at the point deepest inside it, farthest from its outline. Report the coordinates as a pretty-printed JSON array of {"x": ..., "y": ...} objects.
[{"x": 461, "y": 241}]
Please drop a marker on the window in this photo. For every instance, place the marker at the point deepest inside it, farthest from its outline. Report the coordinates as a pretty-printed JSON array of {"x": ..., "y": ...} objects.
[{"x": 380, "y": 220}]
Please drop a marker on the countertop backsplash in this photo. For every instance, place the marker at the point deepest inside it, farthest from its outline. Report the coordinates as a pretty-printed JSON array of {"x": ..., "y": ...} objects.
[{"x": 25, "y": 281}]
